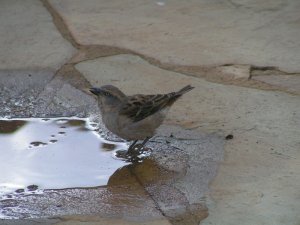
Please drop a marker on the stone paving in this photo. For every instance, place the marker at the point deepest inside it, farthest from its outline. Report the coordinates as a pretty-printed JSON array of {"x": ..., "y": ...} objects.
[
  {"x": 242, "y": 57},
  {"x": 30, "y": 42},
  {"x": 193, "y": 33}
]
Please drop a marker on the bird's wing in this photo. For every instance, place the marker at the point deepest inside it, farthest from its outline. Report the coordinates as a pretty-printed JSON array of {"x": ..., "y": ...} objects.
[{"x": 138, "y": 107}]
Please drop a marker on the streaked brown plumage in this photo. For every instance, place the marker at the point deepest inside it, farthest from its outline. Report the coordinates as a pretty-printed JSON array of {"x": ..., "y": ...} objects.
[{"x": 134, "y": 117}]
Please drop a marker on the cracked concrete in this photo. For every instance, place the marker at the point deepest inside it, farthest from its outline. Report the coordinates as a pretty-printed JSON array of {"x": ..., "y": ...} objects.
[{"x": 258, "y": 179}]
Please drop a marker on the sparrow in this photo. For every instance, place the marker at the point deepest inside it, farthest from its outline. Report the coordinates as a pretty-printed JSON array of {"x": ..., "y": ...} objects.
[{"x": 134, "y": 117}]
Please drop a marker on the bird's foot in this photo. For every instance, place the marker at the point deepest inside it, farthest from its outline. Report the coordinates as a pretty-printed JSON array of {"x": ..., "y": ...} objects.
[
  {"x": 138, "y": 150},
  {"x": 135, "y": 154}
]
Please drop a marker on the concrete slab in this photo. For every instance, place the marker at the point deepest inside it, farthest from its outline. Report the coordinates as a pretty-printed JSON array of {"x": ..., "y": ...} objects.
[
  {"x": 258, "y": 181},
  {"x": 202, "y": 33},
  {"x": 29, "y": 38}
]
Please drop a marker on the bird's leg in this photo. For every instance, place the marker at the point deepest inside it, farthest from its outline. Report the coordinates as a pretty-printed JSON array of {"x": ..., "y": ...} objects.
[
  {"x": 143, "y": 143},
  {"x": 131, "y": 147}
]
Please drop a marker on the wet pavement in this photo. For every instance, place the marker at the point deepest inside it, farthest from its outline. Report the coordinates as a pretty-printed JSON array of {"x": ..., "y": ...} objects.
[
  {"x": 75, "y": 174},
  {"x": 66, "y": 165},
  {"x": 228, "y": 151}
]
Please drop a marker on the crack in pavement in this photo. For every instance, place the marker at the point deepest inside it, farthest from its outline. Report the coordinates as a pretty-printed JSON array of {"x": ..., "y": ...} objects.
[{"x": 209, "y": 73}]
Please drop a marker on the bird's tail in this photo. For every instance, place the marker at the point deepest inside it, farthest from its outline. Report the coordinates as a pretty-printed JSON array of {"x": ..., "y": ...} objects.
[
  {"x": 184, "y": 90},
  {"x": 169, "y": 99}
]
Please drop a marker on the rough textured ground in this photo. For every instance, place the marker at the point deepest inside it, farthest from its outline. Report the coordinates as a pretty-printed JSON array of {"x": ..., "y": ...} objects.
[{"x": 241, "y": 57}]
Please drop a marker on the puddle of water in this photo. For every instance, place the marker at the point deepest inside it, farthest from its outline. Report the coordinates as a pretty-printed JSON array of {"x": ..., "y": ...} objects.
[{"x": 54, "y": 153}]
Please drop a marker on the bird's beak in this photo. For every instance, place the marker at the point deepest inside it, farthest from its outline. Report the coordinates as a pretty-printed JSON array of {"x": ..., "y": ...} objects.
[{"x": 95, "y": 91}]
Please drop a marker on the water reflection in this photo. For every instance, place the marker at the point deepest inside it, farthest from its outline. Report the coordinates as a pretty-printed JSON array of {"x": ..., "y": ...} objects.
[
  {"x": 147, "y": 171},
  {"x": 54, "y": 154}
]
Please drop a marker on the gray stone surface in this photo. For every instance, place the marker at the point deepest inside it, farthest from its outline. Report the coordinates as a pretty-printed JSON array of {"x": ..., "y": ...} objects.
[
  {"x": 193, "y": 158},
  {"x": 261, "y": 33},
  {"x": 201, "y": 152},
  {"x": 261, "y": 162},
  {"x": 39, "y": 93},
  {"x": 97, "y": 220},
  {"x": 30, "y": 222},
  {"x": 289, "y": 82},
  {"x": 110, "y": 201},
  {"x": 29, "y": 40},
  {"x": 82, "y": 220},
  {"x": 20, "y": 89},
  {"x": 60, "y": 98}
]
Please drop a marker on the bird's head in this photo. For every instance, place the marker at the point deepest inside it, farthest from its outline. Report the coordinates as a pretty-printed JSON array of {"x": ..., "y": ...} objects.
[{"x": 108, "y": 96}]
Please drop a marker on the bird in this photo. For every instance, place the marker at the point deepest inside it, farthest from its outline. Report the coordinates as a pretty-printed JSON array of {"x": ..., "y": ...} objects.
[{"x": 134, "y": 117}]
